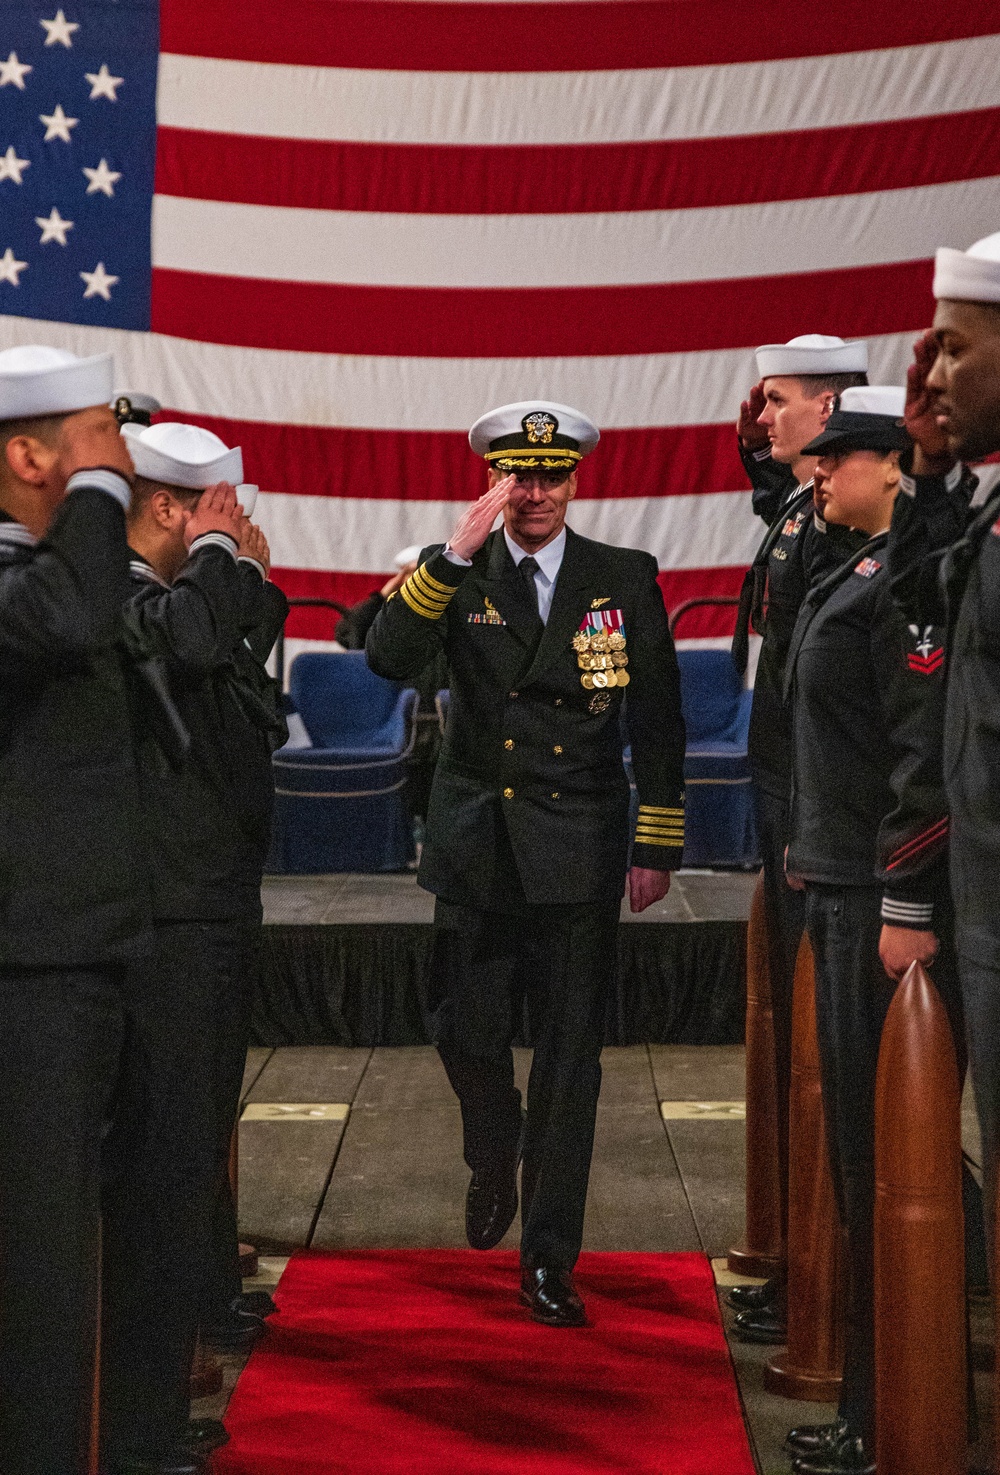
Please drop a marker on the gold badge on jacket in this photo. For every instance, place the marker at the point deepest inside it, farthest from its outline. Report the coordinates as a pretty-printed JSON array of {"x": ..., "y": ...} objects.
[{"x": 601, "y": 649}]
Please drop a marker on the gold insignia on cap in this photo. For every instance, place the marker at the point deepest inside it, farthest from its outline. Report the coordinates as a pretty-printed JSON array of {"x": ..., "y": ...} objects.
[{"x": 540, "y": 427}]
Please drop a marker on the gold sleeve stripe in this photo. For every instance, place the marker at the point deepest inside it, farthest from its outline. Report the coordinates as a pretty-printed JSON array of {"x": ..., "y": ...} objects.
[
  {"x": 661, "y": 824},
  {"x": 416, "y": 603},
  {"x": 431, "y": 596},
  {"x": 431, "y": 587},
  {"x": 651, "y": 809},
  {"x": 671, "y": 844},
  {"x": 435, "y": 584},
  {"x": 665, "y": 835}
]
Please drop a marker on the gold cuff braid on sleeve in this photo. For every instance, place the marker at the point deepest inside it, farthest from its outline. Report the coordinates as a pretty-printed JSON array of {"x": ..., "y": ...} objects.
[
  {"x": 659, "y": 825},
  {"x": 427, "y": 596}
]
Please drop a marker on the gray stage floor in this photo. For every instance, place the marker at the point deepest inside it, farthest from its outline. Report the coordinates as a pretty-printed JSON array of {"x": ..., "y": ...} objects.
[
  {"x": 362, "y": 1148},
  {"x": 308, "y": 901}
]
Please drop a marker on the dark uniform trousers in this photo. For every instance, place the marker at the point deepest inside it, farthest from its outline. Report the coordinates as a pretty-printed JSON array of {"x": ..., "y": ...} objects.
[
  {"x": 164, "y": 1162},
  {"x": 853, "y": 996},
  {"x": 59, "y": 1051},
  {"x": 559, "y": 960}
]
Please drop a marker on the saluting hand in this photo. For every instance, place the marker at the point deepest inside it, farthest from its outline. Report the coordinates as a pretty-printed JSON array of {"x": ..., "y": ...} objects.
[
  {"x": 94, "y": 439},
  {"x": 752, "y": 435},
  {"x": 473, "y": 527},
  {"x": 217, "y": 512},
  {"x": 931, "y": 452},
  {"x": 253, "y": 544}
]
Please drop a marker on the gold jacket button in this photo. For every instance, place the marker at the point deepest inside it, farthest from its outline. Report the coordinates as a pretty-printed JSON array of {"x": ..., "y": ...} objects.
[
  {"x": 508, "y": 793},
  {"x": 557, "y": 748},
  {"x": 556, "y": 795},
  {"x": 508, "y": 744},
  {"x": 514, "y": 695},
  {"x": 558, "y": 701}
]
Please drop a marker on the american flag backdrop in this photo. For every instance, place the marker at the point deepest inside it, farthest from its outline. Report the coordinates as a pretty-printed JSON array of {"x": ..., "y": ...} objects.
[{"x": 338, "y": 231}]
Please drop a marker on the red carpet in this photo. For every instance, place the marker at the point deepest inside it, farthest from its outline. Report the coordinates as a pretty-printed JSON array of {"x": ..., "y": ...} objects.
[{"x": 421, "y": 1362}]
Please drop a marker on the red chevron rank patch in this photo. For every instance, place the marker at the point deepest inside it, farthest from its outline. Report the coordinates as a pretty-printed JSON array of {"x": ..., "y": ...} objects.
[{"x": 926, "y": 657}]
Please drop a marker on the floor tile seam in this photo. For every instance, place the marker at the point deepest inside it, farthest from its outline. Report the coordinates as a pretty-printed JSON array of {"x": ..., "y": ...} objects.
[
  {"x": 673, "y": 1154},
  {"x": 249, "y": 1086},
  {"x": 321, "y": 1200}
]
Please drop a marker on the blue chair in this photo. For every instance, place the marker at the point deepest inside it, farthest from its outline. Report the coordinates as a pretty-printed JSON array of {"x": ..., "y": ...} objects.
[
  {"x": 721, "y": 825},
  {"x": 340, "y": 804}
]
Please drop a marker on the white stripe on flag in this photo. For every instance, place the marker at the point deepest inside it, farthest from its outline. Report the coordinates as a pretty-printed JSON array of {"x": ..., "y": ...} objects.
[
  {"x": 355, "y": 535},
  {"x": 510, "y": 107},
  {"x": 385, "y": 393},
  {"x": 613, "y": 248}
]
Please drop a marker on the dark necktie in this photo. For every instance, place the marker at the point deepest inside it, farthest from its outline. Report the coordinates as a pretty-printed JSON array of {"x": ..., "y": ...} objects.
[{"x": 528, "y": 568}]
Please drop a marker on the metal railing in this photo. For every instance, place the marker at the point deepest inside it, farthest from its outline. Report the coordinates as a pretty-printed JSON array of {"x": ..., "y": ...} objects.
[
  {"x": 279, "y": 644},
  {"x": 689, "y": 604}
]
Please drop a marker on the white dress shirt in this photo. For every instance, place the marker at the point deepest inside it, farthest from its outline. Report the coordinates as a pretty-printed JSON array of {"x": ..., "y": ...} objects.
[{"x": 549, "y": 560}]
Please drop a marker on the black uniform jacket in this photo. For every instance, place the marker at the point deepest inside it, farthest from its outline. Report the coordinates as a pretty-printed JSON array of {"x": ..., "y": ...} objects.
[
  {"x": 532, "y": 760},
  {"x": 867, "y": 694},
  {"x": 797, "y": 550},
  {"x": 207, "y": 824},
  {"x": 945, "y": 561},
  {"x": 73, "y": 888}
]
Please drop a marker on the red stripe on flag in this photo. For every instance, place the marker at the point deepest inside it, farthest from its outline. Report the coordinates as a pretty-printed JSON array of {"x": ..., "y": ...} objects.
[
  {"x": 346, "y": 589},
  {"x": 425, "y": 465},
  {"x": 543, "y": 321},
  {"x": 680, "y": 585},
  {"x": 426, "y": 35},
  {"x": 566, "y": 179},
  {"x": 677, "y": 585}
]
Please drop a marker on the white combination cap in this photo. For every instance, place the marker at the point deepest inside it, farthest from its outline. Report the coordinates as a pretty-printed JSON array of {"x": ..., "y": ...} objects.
[
  {"x": 407, "y": 555},
  {"x": 812, "y": 353},
  {"x": 182, "y": 455},
  {"x": 969, "y": 276},
  {"x": 38, "y": 380},
  {"x": 533, "y": 433}
]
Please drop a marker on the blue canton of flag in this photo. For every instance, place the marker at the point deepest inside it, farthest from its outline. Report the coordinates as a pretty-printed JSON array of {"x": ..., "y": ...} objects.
[{"x": 77, "y": 160}]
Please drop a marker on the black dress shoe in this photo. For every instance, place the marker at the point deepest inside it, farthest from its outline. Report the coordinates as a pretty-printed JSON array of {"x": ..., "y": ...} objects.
[
  {"x": 761, "y": 1328},
  {"x": 491, "y": 1202},
  {"x": 845, "y": 1456},
  {"x": 241, "y": 1324},
  {"x": 757, "y": 1298},
  {"x": 810, "y": 1439},
  {"x": 551, "y": 1295},
  {"x": 205, "y": 1435}
]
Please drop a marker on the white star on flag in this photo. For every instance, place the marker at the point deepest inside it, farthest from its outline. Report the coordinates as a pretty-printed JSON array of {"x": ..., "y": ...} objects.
[
  {"x": 57, "y": 125},
  {"x": 14, "y": 71},
  {"x": 59, "y": 30},
  {"x": 53, "y": 226},
  {"x": 99, "y": 282},
  {"x": 9, "y": 268},
  {"x": 102, "y": 178},
  {"x": 11, "y": 167},
  {"x": 103, "y": 83}
]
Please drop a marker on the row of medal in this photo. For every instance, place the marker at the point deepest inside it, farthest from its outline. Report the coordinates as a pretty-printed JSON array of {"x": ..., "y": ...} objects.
[{"x": 602, "y": 657}]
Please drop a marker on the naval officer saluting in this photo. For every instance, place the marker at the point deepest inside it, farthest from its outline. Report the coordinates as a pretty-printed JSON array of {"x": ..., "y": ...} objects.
[{"x": 549, "y": 637}]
